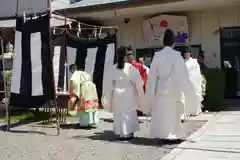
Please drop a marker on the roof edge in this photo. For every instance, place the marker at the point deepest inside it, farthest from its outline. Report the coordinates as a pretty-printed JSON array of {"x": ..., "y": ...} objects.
[{"x": 114, "y": 6}]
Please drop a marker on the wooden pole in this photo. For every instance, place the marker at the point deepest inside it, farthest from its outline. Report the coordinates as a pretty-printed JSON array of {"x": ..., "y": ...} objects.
[
  {"x": 54, "y": 91},
  {"x": 65, "y": 111}
]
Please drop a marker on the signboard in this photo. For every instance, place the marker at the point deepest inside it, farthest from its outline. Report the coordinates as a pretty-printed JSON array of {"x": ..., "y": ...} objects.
[
  {"x": 155, "y": 27},
  {"x": 9, "y": 8}
]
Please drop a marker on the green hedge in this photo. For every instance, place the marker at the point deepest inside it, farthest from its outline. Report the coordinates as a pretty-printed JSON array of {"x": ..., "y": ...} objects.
[{"x": 215, "y": 89}]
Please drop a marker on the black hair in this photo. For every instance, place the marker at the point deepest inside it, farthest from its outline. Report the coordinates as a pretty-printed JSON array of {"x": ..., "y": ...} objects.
[
  {"x": 169, "y": 38},
  {"x": 129, "y": 50},
  {"x": 72, "y": 66},
  {"x": 188, "y": 50},
  {"x": 121, "y": 53}
]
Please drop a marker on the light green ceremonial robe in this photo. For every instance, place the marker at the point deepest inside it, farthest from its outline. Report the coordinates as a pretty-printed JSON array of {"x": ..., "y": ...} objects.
[{"x": 84, "y": 91}]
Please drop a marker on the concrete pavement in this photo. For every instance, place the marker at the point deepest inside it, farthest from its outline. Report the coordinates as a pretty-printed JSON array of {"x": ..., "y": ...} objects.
[
  {"x": 36, "y": 142},
  {"x": 218, "y": 139}
]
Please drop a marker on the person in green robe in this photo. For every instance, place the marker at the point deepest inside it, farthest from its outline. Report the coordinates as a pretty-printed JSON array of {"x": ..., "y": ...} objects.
[{"x": 83, "y": 101}]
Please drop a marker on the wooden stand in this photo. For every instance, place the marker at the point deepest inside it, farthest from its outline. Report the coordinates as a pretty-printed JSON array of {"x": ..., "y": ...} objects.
[{"x": 62, "y": 100}]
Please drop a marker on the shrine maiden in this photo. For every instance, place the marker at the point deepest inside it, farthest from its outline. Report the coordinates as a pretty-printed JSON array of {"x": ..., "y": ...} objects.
[
  {"x": 194, "y": 97},
  {"x": 124, "y": 97},
  {"x": 83, "y": 101},
  {"x": 167, "y": 80}
]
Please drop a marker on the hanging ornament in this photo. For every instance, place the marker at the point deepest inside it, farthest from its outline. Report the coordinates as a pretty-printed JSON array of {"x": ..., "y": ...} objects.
[
  {"x": 24, "y": 17},
  {"x": 95, "y": 33},
  {"x": 79, "y": 30},
  {"x": 70, "y": 25},
  {"x": 79, "y": 27},
  {"x": 100, "y": 32}
]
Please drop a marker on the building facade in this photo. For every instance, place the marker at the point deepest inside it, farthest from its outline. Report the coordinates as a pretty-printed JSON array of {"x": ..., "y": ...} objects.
[
  {"x": 206, "y": 21},
  {"x": 204, "y": 30}
]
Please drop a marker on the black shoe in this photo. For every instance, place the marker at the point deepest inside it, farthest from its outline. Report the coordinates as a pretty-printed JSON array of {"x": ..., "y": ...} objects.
[
  {"x": 126, "y": 138},
  {"x": 131, "y": 136},
  {"x": 183, "y": 120},
  {"x": 139, "y": 113}
]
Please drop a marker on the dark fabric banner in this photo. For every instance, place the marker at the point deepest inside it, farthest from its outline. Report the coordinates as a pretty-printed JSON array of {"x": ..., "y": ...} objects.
[
  {"x": 32, "y": 74},
  {"x": 94, "y": 56}
]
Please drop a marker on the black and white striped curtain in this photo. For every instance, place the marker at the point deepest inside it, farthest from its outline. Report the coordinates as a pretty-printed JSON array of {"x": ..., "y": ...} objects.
[
  {"x": 59, "y": 61},
  {"x": 94, "y": 56},
  {"x": 32, "y": 74}
]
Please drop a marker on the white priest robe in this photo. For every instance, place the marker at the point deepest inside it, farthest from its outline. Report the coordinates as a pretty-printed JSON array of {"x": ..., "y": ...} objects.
[
  {"x": 124, "y": 98},
  {"x": 182, "y": 105},
  {"x": 194, "y": 97},
  {"x": 167, "y": 80}
]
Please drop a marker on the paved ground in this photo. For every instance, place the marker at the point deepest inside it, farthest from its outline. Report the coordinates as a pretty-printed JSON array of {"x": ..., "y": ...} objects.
[
  {"x": 37, "y": 143},
  {"x": 219, "y": 139}
]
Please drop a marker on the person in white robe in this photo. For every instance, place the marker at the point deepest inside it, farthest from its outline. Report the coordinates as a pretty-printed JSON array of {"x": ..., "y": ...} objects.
[
  {"x": 167, "y": 80},
  {"x": 124, "y": 97},
  {"x": 194, "y": 98}
]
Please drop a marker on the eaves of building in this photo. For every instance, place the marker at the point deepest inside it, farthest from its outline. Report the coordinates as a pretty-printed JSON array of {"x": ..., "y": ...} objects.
[{"x": 86, "y": 6}]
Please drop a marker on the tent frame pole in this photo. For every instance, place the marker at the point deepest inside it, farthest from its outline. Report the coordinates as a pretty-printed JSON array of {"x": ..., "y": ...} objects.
[{"x": 54, "y": 90}]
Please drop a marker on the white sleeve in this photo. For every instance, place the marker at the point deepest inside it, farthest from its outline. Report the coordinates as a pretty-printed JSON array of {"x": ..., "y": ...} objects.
[
  {"x": 198, "y": 77},
  {"x": 107, "y": 93},
  {"x": 138, "y": 85},
  {"x": 107, "y": 97},
  {"x": 181, "y": 76},
  {"x": 151, "y": 85}
]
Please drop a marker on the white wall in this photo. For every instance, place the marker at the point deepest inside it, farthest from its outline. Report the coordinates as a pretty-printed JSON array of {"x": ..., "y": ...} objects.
[
  {"x": 202, "y": 27},
  {"x": 130, "y": 33}
]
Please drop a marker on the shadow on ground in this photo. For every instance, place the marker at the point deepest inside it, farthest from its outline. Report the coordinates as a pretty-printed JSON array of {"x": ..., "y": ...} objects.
[
  {"x": 76, "y": 126},
  {"x": 143, "y": 141},
  {"x": 32, "y": 118},
  {"x": 107, "y": 120},
  {"x": 110, "y": 120},
  {"x": 27, "y": 132}
]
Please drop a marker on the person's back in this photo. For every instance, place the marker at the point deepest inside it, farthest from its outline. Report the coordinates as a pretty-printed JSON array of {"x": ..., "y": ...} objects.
[
  {"x": 194, "y": 73},
  {"x": 124, "y": 98},
  {"x": 194, "y": 97},
  {"x": 167, "y": 80},
  {"x": 124, "y": 90},
  {"x": 83, "y": 101},
  {"x": 164, "y": 61},
  {"x": 164, "y": 64}
]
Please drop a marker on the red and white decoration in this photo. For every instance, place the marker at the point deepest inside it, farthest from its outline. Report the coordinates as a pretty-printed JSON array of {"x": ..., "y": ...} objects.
[{"x": 155, "y": 27}]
